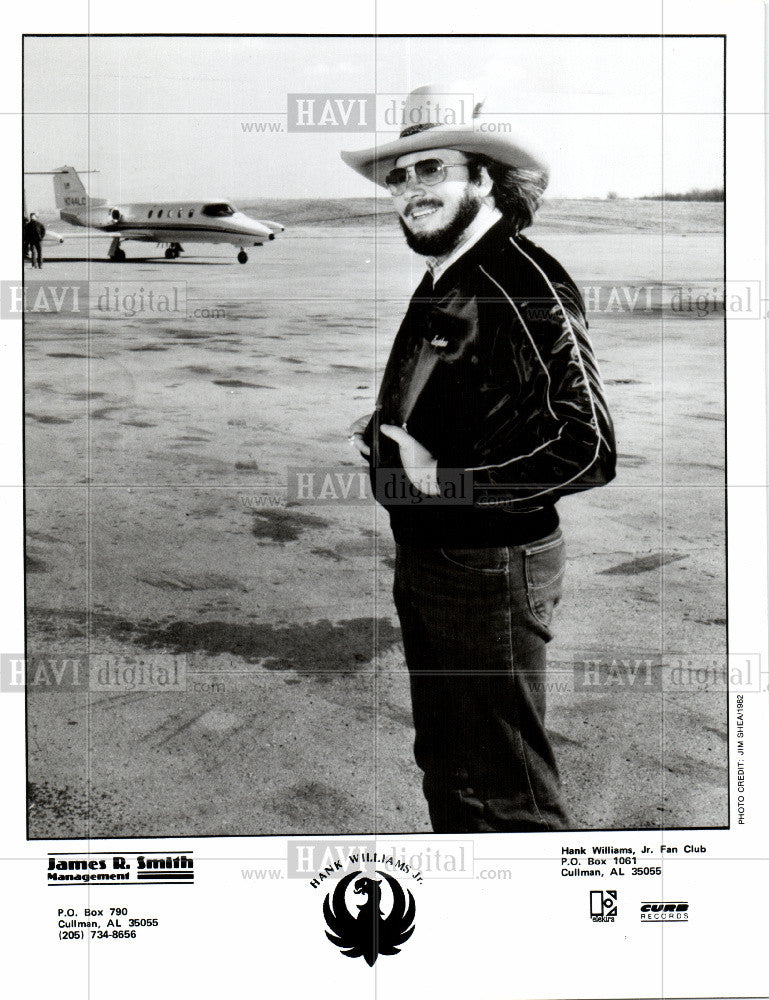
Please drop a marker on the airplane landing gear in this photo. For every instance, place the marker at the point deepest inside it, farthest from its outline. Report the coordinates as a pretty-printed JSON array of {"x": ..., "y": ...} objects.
[
  {"x": 115, "y": 251},
  {"x": 173, "y": 251},
  {"x": 242, "y": 257}
]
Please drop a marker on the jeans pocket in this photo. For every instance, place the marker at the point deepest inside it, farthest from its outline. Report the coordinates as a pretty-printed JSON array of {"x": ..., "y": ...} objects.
[
  {"x": 545, "y": 563},
  {"x": 486, "y": 560}
]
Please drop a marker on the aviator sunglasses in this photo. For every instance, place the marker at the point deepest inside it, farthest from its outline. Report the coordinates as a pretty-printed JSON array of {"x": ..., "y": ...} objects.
[{"x": 431, "y": 171}]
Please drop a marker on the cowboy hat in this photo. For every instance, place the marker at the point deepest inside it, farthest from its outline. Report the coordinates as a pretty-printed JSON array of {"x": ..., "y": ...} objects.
[{"x": 427, "y": 125}]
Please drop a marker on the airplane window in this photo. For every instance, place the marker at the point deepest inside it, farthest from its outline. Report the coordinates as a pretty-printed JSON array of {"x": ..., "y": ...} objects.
[
  {"x": 191, "y": 213},
  {"x": 219, "y": 209},
  {"x": 160, "y": 212},
  {"x": 149, "y": 214},
  {"x": 179, "y": 214}
]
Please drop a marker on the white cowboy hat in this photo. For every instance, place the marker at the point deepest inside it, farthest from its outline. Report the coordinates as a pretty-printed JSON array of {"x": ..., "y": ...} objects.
[{"x": 424, "y": 130}]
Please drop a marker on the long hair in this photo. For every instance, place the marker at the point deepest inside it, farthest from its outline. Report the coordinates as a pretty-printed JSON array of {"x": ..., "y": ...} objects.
[{"x": 517, "y": 193}]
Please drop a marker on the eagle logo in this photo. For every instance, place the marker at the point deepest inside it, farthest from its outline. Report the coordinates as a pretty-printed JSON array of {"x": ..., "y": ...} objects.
[{"x": 368, "y": 933}]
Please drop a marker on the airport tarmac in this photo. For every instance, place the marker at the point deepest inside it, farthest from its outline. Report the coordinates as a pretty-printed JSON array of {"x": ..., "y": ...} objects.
[{"x": 158, "y": 448}]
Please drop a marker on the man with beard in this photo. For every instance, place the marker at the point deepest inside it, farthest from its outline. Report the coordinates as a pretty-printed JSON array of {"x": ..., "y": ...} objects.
[{"x": 490, "y": 409}]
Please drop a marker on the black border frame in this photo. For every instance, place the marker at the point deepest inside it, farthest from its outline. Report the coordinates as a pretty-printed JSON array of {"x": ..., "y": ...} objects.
[{"x": 276, "y": 35}]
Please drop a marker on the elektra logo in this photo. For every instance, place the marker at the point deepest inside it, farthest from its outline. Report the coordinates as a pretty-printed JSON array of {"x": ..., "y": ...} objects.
[
  {"x": 603, "y": 905},
  {"x": 657, "y": 912}
]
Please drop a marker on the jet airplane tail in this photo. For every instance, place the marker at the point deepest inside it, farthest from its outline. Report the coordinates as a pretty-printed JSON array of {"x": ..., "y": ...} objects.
[{"x": 72, "y": 199}]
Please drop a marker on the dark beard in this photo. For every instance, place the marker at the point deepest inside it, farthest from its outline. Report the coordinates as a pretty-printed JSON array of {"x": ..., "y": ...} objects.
[{"x": 443, "y": 241}]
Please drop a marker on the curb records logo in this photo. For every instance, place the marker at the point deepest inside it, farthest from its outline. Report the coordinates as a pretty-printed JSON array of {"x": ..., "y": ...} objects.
[
  {"x": 362, "y": 930},
  {"x": 669, "y": 913},
  {"x": 603, "y": 905}
]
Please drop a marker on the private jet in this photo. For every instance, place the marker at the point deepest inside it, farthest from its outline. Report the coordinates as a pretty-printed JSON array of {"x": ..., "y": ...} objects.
[{"x": 164, "y": 223}]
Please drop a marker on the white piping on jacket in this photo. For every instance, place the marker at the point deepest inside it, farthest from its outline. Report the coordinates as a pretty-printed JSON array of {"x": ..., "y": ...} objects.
[{"x": 599, "y": 437}]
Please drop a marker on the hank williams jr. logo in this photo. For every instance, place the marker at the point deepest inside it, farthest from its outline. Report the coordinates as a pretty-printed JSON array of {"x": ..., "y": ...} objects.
[{"x": 368, "y": 933}]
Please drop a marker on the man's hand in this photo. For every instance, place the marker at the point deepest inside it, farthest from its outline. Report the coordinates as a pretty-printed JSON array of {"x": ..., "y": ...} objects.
[
  {"x": 418, "y": 463},
  {"x": 356, "y": 435}
]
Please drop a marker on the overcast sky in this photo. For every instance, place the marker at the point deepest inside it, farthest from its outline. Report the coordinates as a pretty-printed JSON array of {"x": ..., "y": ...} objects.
[{"x": 163, "y": 118}]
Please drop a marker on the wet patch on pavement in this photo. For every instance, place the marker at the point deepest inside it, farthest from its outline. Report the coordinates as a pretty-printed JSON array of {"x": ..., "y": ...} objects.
[
  {"x": 642, "y": 564},
  {"x": 281, "y": 526}
]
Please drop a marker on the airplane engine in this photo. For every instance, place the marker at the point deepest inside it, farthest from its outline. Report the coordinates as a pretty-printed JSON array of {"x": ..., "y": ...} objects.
[{"x": 116, "y": 215}]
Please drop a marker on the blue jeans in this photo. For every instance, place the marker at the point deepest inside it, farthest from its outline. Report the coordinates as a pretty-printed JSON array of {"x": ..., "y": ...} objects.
[{"x": 475, "y": 623}]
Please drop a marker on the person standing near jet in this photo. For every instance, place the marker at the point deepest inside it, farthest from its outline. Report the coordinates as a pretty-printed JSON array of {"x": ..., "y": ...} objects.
[
  {"x": 34, "y": 232},
  {"x": 492, "y": 396}
]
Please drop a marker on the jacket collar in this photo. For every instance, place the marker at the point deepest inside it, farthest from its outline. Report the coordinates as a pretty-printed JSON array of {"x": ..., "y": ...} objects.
[
  {"x": 441, "y": 321},
  {"x": 489, "y": 242},
  {"x": 483, "y": 221}
]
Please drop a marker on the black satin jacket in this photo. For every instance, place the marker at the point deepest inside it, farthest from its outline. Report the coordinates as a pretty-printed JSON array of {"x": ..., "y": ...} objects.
[{"x": 493, "y": 372}]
